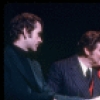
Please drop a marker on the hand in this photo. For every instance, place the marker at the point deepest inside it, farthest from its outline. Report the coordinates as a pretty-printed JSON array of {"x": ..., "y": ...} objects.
[{"x": 96, "y": 98}]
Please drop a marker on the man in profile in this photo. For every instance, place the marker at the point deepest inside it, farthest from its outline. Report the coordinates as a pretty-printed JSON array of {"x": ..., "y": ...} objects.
[{"x": 78, "y": 75}]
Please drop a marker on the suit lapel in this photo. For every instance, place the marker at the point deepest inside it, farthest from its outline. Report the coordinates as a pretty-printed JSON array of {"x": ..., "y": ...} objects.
[
  {"x": 37, "y": 74},
  {"x": 78, "y": 77}
]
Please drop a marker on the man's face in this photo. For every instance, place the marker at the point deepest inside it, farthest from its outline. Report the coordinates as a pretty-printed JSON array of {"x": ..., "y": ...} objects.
[
  {"x": 95, "y": 56},
  {"x": 35, "y": 38}
]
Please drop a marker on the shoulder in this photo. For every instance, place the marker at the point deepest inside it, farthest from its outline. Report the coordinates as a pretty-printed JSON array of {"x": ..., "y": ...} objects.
[
  {"x": 8, "y": 50},
  {"x": 64, "y": 64},
  {"x": 65, "y": 61}
]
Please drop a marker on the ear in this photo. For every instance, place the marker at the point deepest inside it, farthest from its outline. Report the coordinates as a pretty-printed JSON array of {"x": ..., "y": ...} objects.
[
  {"x": 26, "y": 34},
  {"x": 87, "y": 52}
]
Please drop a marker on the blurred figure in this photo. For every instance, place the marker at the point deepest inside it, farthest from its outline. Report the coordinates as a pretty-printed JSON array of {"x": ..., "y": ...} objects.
[{"x": 79, "y": 75}]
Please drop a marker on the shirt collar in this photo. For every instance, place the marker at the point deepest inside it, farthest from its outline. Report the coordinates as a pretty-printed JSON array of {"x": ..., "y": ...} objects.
[{"x": 84, "y": 67}]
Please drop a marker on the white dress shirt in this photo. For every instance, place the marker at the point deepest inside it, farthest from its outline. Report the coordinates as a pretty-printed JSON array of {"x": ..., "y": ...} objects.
[{"x": 84, "y": 68}]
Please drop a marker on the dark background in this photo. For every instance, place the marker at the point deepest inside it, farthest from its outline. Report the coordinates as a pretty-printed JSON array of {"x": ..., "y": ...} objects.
[{"x": 64, "y": 23}]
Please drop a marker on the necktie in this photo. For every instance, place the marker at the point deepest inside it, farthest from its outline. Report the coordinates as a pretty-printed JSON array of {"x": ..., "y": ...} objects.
[
  {"x": 98, "y": 73},
  {"x": 92, "y": 83},
  {"x": 91, "y": 87}
]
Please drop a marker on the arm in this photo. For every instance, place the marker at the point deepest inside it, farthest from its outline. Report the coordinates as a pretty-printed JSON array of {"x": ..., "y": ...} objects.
[
  {"x": 55, "y": 78},
  {"x": 60, "y": 97}
]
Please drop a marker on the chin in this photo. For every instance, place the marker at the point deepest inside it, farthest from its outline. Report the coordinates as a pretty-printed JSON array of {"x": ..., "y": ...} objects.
[
  {"x": 35, "y": 49},
  {"x": 32, "y": 49},
  {"x": 97, "y": 66}
]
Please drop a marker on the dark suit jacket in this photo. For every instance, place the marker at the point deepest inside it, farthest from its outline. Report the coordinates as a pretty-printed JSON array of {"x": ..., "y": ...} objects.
[
  {"x": 20, "y": 83},
  {"x": 65, "y": 77}
]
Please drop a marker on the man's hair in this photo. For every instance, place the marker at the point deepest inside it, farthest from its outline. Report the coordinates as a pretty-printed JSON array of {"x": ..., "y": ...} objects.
[
  {"x": 21, "y": 21},
  {"x": 88, "y": 40}
]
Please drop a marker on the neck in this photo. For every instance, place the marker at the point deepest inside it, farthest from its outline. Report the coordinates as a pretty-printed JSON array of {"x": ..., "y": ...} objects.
[{"x": 21, "y": 45}]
